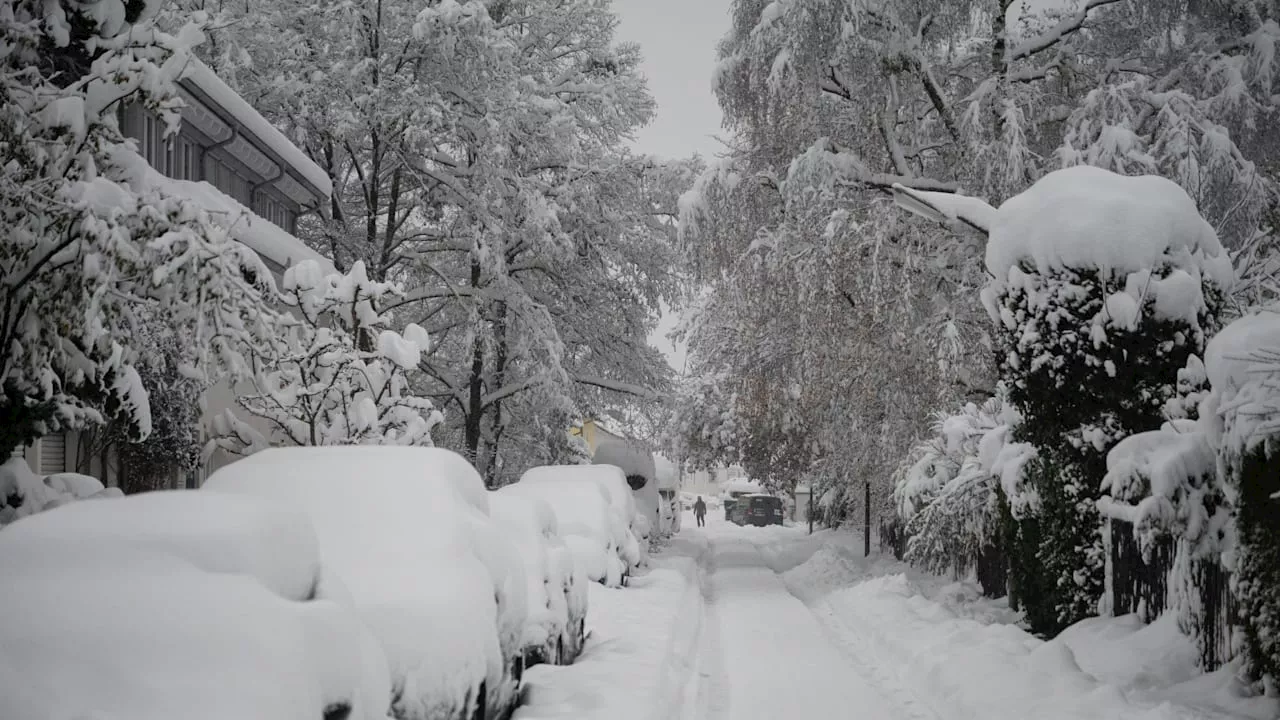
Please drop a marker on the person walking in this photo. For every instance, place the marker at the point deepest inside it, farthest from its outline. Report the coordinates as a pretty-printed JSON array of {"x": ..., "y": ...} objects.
[{"x": 700, "y": 512}]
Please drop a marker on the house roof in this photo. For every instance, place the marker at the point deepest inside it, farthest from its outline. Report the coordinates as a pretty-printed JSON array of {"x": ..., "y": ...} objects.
[
  {"x": 265, "y": 238},
  {"x": 208, "y": 83}
]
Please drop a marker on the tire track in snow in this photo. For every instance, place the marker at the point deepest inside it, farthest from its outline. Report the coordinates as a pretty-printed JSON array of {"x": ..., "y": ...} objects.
[
  {"x": 711, "y": 701},
  {"x": 874, "y": 669}
]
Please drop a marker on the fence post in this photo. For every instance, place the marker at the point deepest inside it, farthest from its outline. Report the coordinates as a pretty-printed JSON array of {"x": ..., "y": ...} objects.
[{"x": 866, "y": 520}]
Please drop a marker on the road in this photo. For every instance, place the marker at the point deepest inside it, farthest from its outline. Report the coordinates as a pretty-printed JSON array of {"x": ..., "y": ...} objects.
[{"x": 765, "y": 654}]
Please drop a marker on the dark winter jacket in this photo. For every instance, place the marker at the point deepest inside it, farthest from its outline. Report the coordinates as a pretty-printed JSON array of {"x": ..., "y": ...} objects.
[{"x": 699, "y": 508}]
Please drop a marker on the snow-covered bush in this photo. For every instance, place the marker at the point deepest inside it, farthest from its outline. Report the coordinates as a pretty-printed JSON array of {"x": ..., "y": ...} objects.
[
  {"x": 23, "y": 493},
  {"x": 407, "y": 531},
  {"x": 1102, "y": 287},
  {"x": 946, "y": 494},
  {"x": 83, "y": 243},
  {"x": 337, "y": 375},
  {"x": 1242, "y": 415}
]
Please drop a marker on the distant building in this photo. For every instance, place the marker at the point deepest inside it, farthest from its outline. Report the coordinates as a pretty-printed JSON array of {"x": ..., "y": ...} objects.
[{"x": 231, "y": 161}]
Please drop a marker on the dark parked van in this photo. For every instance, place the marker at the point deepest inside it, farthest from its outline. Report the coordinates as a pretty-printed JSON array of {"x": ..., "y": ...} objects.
[{"x": 757, "y": 510}]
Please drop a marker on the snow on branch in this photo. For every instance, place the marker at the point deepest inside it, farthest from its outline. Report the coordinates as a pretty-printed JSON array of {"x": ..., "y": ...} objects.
[
  {"x": 626, "y": 388},
  {"x": 949, "y": 209},
  {"x": 1069, "y": 26},
  {"x": 826, "y": 161}
]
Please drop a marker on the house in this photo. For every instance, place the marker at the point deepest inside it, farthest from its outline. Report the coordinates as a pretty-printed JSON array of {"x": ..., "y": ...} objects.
[{"x": 230, "y": 160}]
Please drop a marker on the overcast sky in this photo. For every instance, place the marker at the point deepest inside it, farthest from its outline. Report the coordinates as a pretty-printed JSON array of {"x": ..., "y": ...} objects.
[{"x": 678, "y": 38}]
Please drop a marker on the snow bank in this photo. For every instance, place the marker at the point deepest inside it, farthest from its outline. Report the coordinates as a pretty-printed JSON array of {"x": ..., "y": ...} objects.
[
  {"x": 155, "y": 639},
  {"x": 625, "y": 673},
  {"x": 271, "y": 543},
  {"x": 398, "y": 528},
  {"x": 966, "y": 668}
]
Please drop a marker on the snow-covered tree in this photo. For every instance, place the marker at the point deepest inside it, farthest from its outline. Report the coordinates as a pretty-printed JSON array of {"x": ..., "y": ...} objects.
[
  {"x": 338, "y": 375},
  {"x": 832, "y": 104},
  {"x": 87, "y": 237},
  {"x": 477, "y": 155}
]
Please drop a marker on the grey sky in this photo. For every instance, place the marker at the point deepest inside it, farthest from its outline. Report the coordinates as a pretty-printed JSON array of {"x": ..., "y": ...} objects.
[{"x": 678, "y": 38}]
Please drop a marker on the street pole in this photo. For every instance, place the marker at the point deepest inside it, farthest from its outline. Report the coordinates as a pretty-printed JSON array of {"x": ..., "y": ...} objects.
[
  {"x": 811, "y": 509},
  {"x": 866, "y": 518}
]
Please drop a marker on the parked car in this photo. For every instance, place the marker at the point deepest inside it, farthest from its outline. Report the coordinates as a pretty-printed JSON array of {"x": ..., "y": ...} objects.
[
  {"x": 757, "y": 509},
  {"x": 593, "y": 519},
  {"x": 408, "y": 532},
  {"x": 554, "y": 625},
  {"x": 123, "y": 607}
]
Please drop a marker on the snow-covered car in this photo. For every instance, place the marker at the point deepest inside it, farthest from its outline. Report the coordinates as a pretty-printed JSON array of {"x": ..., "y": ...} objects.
[
  {"x": 598, "y": 535},
  {"x": 637, "y": 525},
  {"x": 640, "y": 475},
  {"x": 554, "y": 626},
  {"x": 407, "y": 531},
  {"x": 123, "y": 607}
]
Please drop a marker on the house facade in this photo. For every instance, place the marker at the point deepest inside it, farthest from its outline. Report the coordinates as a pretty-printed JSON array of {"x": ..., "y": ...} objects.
[{"x": 250, "y": 178}]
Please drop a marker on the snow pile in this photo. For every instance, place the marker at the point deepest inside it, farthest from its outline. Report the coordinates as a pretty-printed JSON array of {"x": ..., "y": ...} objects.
[
  {"x": 427, "y": 571},
  {"x": 147, "y": 637},
  {"x": 964, "y": 668},
  {"x": 23, "y": 493},
  {"x": 1145, "y": 231},
  {"x": 668, "y": 473},
  {"x": 1242, "y": 363}
]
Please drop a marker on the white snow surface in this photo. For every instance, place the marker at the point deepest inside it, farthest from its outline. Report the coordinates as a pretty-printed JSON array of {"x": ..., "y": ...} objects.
[
  {"x": 634, "y": 459},
  {"x": 1247, "y": 350},
  {"x": 37, "y": 493},
  {"x": 1088, "y": 218},
  {"x": 271, "y": 543},
  {"x": 149, "y": 637},
  {"x": 403, "y": 530}
]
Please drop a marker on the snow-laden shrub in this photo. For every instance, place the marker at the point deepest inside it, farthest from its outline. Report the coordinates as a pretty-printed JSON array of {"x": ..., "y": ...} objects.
[
  {"x": 1102, "y": 287},
  {"x": 23, "y": 493},
  {"x": 947, "y": 493},
  {"x": 1242, "y": 416},
  {"x": 338, "y": 374}
]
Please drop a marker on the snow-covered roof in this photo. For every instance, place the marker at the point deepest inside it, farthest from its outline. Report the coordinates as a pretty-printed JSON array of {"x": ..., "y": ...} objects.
[
  {"x": 203, "y": 78},
  {"x": 742, "y": 485},
  {"x": 668, "y": 473},
  {"x": 632, "y": 457},
  {"x": 268, "y": 240}
]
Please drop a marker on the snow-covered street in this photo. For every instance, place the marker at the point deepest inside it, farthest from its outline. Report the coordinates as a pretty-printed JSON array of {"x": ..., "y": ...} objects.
[
  {"x": 763, "y": 653},
  {"x": 739, "y": 623}
]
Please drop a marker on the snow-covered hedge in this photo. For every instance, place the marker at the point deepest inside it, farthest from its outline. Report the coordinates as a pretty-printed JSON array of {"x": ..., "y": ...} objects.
[
  {"x": 1102, "y": 287},
  {"x": 1209, "y": 484}
]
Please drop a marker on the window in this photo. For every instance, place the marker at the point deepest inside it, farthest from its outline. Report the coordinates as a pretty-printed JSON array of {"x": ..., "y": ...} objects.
[{"x": 275, "y": 211}]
